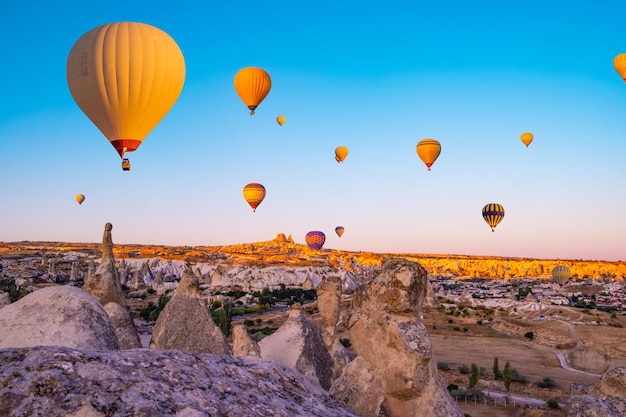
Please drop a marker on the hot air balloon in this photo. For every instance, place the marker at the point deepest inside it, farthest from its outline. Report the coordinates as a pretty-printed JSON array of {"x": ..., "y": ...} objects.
[
  {"x": 281, "y": 120},
  {"x": 428, "y": 150},
  {"x": 341, "y": 153},
  {"x": 252, "y": 85},
  {"x": 80, "y": 198},
  {"x": 560, "y": 274},
  {"x": 339, "y": 230},
  {"x": 254, "y": 193},
  {"x": 493, "y": 214},
  {"x": 526, "y": 138},
  {"x": 315, "y": 239},
  {"x": 125, "y": 77},
  {"x": 620, "y": 65}
]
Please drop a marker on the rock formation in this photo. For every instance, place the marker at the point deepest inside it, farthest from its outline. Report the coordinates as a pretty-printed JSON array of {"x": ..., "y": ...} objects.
[
  {"x": 57, "y": 381},
  {"x": 395, "y": 372},
  {"x": 298, "y": 344},
  {"x": 4, "y": 299},
  {"x": 243, "y": 345},
  {"x": 59, "y": 316},
  {"x": 104, "y": 284},
  {"x": 125, "y": 330},
  {"x": 605, "y": 398},
  {"x": 186, "y": 323}
]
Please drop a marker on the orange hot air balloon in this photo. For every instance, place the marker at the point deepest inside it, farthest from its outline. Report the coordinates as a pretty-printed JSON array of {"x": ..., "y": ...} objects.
[
  {"x": 80, "y": 198},
  {"x": 125, "y": 77},
  {"x": 428, "y": 150},
  {"x": 254, "y": 193},
  {"x": 341, "y": 153},
  {"x": 339, "y": 230},
  {"x": 281, "y": 120},
  {"x": 620, "y": 65},
  {"x": 526, "y": 138},
  {"x": 252, "y": 84}
]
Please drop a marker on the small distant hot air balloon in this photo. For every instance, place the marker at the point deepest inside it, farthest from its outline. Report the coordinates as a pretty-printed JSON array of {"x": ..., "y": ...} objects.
[
  {"x": 341, "y": 153},
  {"x": 125, "y": 77},
  {"x": 493, "y": 214},
  {"x": 560, "y": 274},
  {"x": 315, "y": 239},
  {"x": 428, "y": 150},
  {"x": 80, "y": 198},
  {"x": 252, "y": 84},
  {"x": 254, "y": 193},
  {"x": 620, "y": 65},
  {"x": 281, "y": 120},
  {"x": 526, "y": 138},
  {"x": 339, "y": 230}
]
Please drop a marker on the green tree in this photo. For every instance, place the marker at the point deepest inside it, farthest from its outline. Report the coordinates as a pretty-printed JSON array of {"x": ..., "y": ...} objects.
[
  {"x": 496, "y": 368},
  {"x": 473, "y": 377},
  {"x": 507, "y": 376},
  {"x": 224, "y": 320}
]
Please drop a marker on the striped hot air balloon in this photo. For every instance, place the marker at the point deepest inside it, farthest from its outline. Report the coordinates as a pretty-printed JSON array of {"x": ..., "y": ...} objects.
[
  {"x": 254, "y": 193},
  {"x": 315, "y": 239},
  {"x": 493, "y": 214},
  {"x": 428, "y": 150},
  {"x": 339, "y": 230},
  {"x": 560, "y": 274}
]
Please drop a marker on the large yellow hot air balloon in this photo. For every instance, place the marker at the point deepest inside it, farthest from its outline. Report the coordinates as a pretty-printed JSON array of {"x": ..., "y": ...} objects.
[
  {"x": 493, "y": 214},
  {"x": 428, "y": 150},
  {"x": 125, "y": 77},
  {"x": 254, "y": 193},
  {"x": 341, "y": 153},
  {"x": 620, "y": 65},
  {"x": 281, "y": 120},
  {"x": 526, "y": 138},
  {"x": 80, "y": 198},
  {"x": 252, "y": 85},
  {"x": 560, "y": 274}
]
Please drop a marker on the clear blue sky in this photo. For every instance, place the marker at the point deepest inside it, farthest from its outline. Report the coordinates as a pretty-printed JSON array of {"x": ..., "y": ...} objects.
[{"x": 376, "y": 77}]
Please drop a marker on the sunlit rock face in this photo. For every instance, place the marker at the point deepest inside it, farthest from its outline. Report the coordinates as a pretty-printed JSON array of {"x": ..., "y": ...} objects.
[
  {"x": 57, "y": 316},
  {"x": 186, "y": 323},
  {"x": 243, "y": 345},
  {"x": 125, "y": 330},
  {"x": 605, "y": 398},
  {"x": 57, "y": 381},
  {"x": 298, "y": 344},
  {"x": 104, "y": 284},
  {"x": 395, "y": 372}
]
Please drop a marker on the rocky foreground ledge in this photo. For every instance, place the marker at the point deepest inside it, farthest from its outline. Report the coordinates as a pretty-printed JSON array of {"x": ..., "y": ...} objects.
[{"x": 59, "y": 381}]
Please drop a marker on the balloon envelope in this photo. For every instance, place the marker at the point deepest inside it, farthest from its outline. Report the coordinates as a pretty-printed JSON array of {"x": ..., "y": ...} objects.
[
  {"x": 125, "y": 77},
  {"x": 80, "y": 198},
  {"x": 526, "y": 138},
  {"x": 341, "y": 152},
  {"x": 560, "y": 274},
  {"x": 252, "y": 84},
  {"x": 281, "y": 120},
  {"x": 339, "y": 230},
  {"x": 493, "y": 214},
  {"x": 620, "y": 65},
  {"x": 315, "y": 239},
  {"x": 254, "y": 193},
  {"x": 428, "y": 150}
]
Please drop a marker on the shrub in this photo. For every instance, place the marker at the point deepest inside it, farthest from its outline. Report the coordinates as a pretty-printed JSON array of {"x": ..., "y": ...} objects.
[
  {"x": 345, "y": 342},
  {"x": 248, "y": 322},
  {"x": 473, "y": 378},
  {"x": 453, "y": 387},
  {"x": 464, "y": 369},
  {"x": 546, "y": 382},
  {"x": 443, "y": 366},
  {"x": 553, "y": 404},
  {"x": 517, "y": 377},
  {"x": 529, "y": 335}
]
